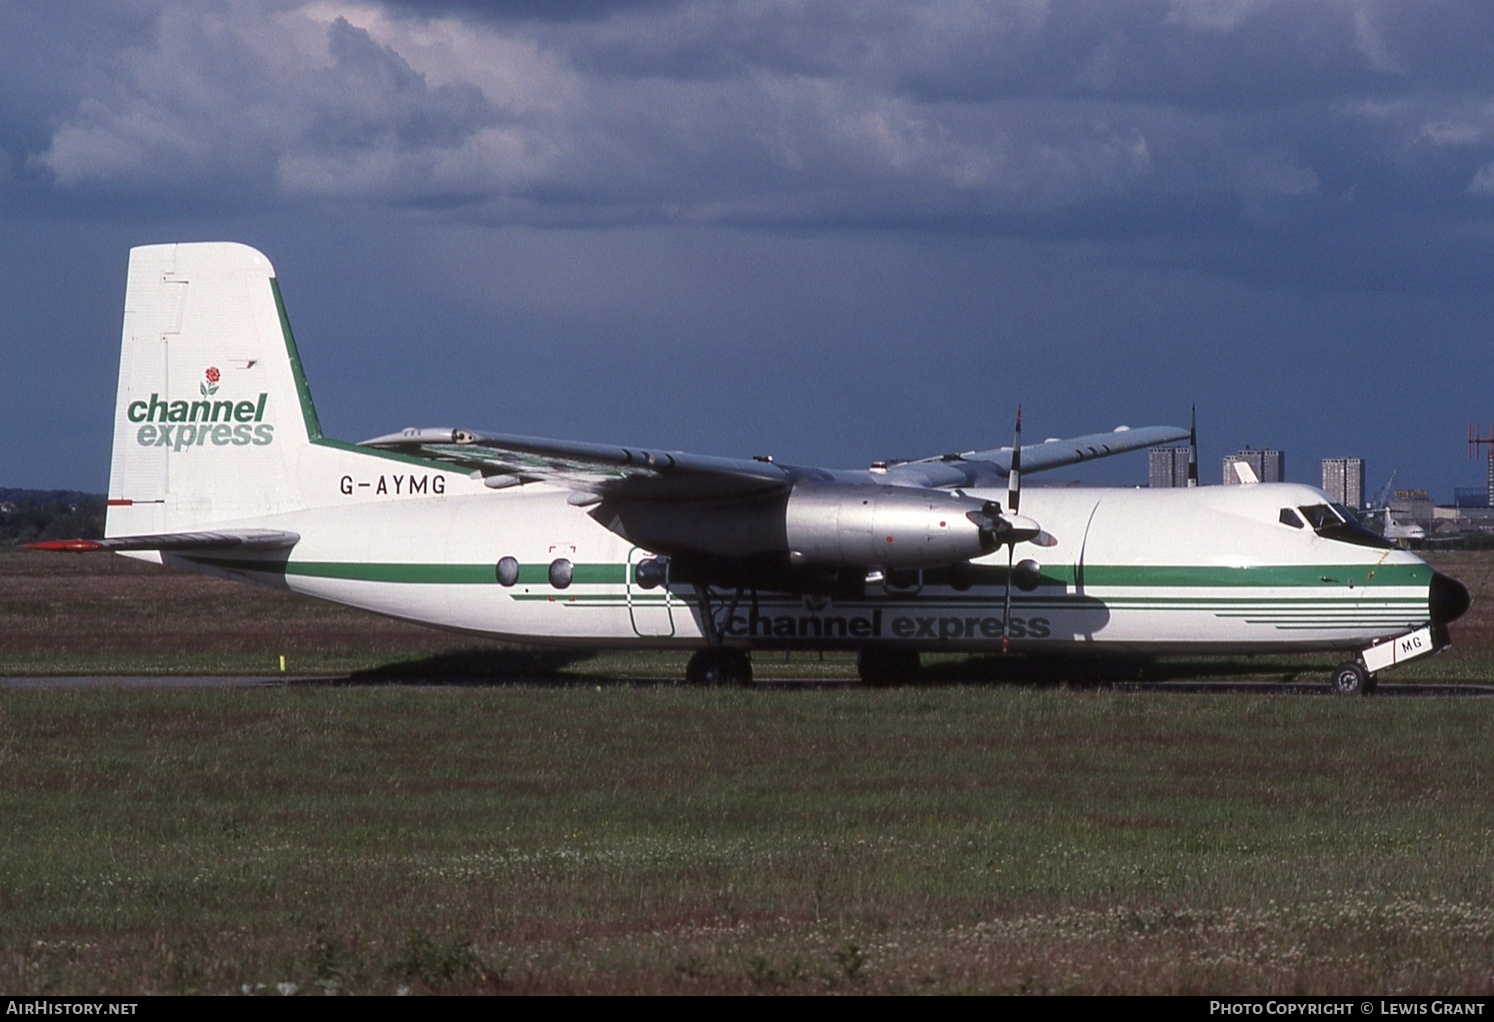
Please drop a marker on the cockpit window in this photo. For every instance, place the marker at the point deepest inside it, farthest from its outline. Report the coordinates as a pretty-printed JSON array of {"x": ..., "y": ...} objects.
[
  {"x": 1336, "y": 522},
  {"x": 1320, "y": 516},
  {"x": 1290, "y": 517}
]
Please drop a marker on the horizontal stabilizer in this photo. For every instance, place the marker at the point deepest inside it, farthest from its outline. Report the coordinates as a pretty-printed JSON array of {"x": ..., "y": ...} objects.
[{"x": 179, "y": 542}]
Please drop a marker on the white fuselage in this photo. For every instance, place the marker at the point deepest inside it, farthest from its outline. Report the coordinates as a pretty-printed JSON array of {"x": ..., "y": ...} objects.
[{"x": 1203, "y": 570}]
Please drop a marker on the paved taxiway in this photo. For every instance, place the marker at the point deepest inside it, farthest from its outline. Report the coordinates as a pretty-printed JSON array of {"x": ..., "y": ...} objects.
[
  {"x": 104, "y": 680},
  {"x": 1386, "y": 690}
]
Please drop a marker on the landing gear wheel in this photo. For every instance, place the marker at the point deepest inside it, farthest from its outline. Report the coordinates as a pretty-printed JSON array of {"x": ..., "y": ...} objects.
[
  {"x": 883, "y": 667},
  {"x": 719, "y": 667},
  {"x": 1351, "y": 679}
]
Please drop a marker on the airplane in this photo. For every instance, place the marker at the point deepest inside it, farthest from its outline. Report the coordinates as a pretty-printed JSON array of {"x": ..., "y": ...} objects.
[
  {"x": 220, "y": 466},
  {"x": 1402, "y": 534}
]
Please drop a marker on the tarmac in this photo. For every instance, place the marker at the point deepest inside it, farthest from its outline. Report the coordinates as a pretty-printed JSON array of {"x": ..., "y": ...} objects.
[{"x": 1390, "y": 690}]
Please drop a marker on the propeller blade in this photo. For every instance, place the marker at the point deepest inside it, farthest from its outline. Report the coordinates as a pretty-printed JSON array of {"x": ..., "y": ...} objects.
[
  {"x": 1006, "y": 604},
  {"x": 1015, "y": 528},
  {"x": 1020, "y": 529},
  {"x": 1014, "y": 477}
]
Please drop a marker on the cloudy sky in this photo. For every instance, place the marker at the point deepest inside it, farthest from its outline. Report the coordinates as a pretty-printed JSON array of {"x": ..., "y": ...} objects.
[{"x": 828, "y": 231}]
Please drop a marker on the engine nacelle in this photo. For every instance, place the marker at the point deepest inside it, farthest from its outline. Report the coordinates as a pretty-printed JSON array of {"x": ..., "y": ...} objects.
[
  {"x": 841, "y": 526},
  {"x": 815, "y": 535}
]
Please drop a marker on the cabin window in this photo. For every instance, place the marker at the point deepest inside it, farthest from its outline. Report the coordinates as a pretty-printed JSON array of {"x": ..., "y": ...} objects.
[
  {"x": 561, "y": 573},
  {"x": 507, "y": 571},
  {"x": 648, "y": 573}
]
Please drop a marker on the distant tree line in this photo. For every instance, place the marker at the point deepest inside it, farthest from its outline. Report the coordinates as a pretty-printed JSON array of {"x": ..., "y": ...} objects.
[{"x": 30, "y": 516}]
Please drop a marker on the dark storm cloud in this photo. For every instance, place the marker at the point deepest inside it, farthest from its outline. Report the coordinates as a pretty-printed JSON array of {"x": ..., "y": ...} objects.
[
  {"x": 1048, "y": 197},
  {"x": 1226, "y": 117},
  {"x": 218, "y": 103},
  {"x": 397, "y": 104}
]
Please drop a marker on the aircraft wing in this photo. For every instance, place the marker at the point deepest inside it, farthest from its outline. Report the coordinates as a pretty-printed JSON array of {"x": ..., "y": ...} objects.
[
  {"x": 603, "y": 470},
  {"x": 1055, "y": 453}
]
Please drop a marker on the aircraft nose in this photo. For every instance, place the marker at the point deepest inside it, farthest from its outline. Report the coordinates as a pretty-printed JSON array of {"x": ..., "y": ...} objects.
[{"x": 1448, "y": 598}]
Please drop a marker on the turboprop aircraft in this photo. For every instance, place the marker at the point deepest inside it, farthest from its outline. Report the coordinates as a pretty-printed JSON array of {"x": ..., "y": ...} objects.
[{"x": 220, "y": 466}]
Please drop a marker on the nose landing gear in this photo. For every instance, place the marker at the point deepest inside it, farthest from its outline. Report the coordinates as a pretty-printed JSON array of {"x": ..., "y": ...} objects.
[{"x": 1351, "y": 679}]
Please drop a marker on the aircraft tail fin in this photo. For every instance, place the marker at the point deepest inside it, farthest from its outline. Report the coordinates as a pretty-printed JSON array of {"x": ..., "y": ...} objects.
[{"x": 213, "y": 421}]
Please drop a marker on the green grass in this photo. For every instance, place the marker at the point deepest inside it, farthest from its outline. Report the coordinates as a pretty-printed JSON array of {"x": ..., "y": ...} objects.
[
  {"x": 612, "y": 838},
  {"x": 571, "y": 822}
]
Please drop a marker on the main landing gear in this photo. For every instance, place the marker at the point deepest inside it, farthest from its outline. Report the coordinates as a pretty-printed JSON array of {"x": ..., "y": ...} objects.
[
  {"x": 1352, "y": 679},
  {"x": 719, "y": 665}
]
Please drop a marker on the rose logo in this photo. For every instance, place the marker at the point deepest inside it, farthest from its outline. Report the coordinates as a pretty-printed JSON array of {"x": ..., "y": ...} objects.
[{"x": 210, "y": 387}]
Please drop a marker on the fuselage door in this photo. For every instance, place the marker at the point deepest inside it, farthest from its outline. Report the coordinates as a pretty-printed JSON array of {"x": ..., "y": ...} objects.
[{"x": 650, "y": 603}]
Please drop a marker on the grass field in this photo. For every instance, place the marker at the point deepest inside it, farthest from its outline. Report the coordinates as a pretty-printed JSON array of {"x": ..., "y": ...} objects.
[{"x": 579, "y": 833}]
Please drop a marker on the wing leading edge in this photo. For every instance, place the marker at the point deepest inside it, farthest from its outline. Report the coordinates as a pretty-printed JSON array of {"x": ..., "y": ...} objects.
[
  {"x": 603, "y": 471},
  {"x": 1055, "y": 453}
]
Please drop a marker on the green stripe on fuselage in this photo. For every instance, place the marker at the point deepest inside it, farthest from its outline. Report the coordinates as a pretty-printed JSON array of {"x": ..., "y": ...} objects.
[
  {"x": 1365, "y": 578},
  {"x": 419, "y": 574},
  {"x": 1284, "y": 576}
]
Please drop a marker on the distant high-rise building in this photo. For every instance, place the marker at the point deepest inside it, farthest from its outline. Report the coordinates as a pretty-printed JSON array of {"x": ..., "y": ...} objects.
[
  {"x": 1470, "y": 496},
  {"x": 1167, "y": 467},
  {"x": 1343, "y": 480},
  {"x": 1269, "y": 466}
]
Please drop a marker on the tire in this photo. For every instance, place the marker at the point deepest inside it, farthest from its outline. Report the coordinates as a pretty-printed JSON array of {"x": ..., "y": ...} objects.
[
  {"x": 1351, "y": 679},
  {"x": 880, "y": 668},
  {"x": 738, "y": 668},
  {"x": 715, "y": 667}
]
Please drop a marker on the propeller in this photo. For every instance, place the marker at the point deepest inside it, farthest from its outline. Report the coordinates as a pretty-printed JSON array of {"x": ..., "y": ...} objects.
[
  {"x": 1014, "y": 501},
  {"x": 1008, "y": 528}
]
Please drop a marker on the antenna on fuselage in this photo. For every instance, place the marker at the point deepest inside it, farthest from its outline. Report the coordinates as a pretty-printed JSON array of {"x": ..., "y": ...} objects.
[{"x": 1193, "y": 447}]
